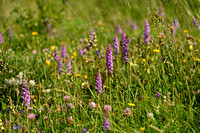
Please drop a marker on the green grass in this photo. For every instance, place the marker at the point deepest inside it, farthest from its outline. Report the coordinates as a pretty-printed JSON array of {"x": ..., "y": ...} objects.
[{"x": 173, "y": 72}]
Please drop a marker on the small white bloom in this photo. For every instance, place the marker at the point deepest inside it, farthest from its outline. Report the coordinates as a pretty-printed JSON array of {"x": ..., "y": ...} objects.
[
  {"x": 21, "y": 75},
  {"x": 150, "y": 115},
  {"x": 32, "y": 82},
  {"x": 92, "y": 105}
]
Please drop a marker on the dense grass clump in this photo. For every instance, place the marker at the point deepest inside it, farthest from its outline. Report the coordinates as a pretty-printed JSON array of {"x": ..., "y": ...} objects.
[{"x": 99, "y": 66}]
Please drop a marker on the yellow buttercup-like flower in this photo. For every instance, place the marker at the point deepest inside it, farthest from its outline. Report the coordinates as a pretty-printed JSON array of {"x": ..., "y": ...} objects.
[
  {"x": 72, "y": 57},
  {"x": 159, "y": 17},
  {"x": 142, "y": 128},
  {"x": 52, "y": 47},
  {"x": 74, "y": 54},
  {"x": 77, "y": 75},
  {"x": 131, "y": 63},
  {"x": 144, "y": 60},
  {"x": 183, "y": 61},
  {"x": 191, "y": 47},
  {"x": 58, "y": 109},
  {"x": 85, "y": 58},
  {"x": 34, "y": 33},
  {"x": 131, "y": 104},
  {"x": 171, "y": 27},
  {"x": 186, "y": 31},
  {"x": 85, "y": 76},
  {"x": 197, "y": 59},
  {"x": 156, "y": 50},
  {"x": 47, "y": 63}
]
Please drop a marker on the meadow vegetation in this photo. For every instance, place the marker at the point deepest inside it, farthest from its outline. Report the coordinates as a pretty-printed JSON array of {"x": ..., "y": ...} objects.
[{"x": 99, "y": 66}]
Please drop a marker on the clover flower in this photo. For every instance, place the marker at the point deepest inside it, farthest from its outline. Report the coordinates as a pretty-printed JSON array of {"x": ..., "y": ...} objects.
[
  {"x": 31, "y": 116},
  {"x": 92, "y": 105},
  {"x": 70, "y": 120},
  {"x": 66, "y": 98},
  {"x": 127, "y": 112}
]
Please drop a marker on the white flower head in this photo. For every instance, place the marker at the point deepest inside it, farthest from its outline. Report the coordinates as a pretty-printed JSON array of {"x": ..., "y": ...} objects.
[{"x": 32, "y": 82}]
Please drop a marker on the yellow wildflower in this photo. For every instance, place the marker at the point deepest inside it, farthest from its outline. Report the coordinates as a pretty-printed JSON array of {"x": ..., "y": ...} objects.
[
  {"x": 148, "y": 71},
  {"x": 131, "y": 104},
  {"x": 113, "y": 114},
  {"x": 171, "y": 27},
  {"x": 73, "y": 41},
  {"x": 77, "y": 75},
  {"x": 54, "y": 98},
  {"x": 58, "y": 109},
  {"x": 131, "y": 63},
  {"x": 52, "y": 47},
  {"x": 191, "y": 47},
  {"x": 34, "y": 100},
  {"x": 68, "y": 74},
  {"x": 83, "y": 83},
  {"x": 85, "y": 58},
  {"x": 156, "y": 50},
  {"x": 159, "y": 17},
  {"x": 186, "y": 31},
  {"x": 32, "y": 96},
  {"x": 86, "y": 40},
  {"x": 72, "y": 57},
  {"x": 1, "y": 125},
  {"x": 85, "y": 76},
  {"x": 64, "y": 60},
  {"x": 52, "y": 74},
  {"x": 193, "y": 58},
  {"x": 47, "y": 63},
  {"x": 34, "y": 33},
  {"x": 89, "y": 100},
  {"x": 144, "y": 60},
  {"x": 183, "y": 61},
  {"x": 197, "y": 59},
  {"x": 74, "y": 54},
  {"x": 160, "y": 37},
  {"x": 48, "y": 55},
  {"x": 142, "y": 128}
]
